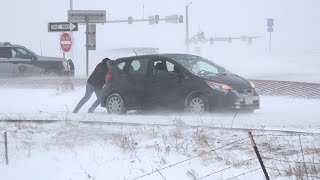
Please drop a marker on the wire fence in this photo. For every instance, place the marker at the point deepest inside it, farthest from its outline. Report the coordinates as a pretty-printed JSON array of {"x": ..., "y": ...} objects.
[
  {"x": 290, "y": 155},
  {"x": 285, "y": 155},
  {"x": 191, "y": 158},
  {"x": 290, "y": 169}
]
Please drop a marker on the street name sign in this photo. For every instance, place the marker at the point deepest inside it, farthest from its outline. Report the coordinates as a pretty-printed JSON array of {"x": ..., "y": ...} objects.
[{"x": 87, "y": 16}]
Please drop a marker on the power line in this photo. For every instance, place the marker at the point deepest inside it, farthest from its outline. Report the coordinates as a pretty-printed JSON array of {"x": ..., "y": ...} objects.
[
  {"x": 169, "y": 166},
  {"x": 226, "y": 168}
]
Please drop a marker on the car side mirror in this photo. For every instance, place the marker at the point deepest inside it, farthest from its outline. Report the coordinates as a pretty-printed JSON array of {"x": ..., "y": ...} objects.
[{"x": 33, "y": 58}]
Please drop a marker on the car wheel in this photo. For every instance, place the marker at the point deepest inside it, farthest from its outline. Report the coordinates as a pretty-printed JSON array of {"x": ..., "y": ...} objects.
[
  {"x": 198, "y": 105},
  {"x": 248, "y": 111},
  {"x": 115, "y": 104},
  {"x": 51, "y": 73}
]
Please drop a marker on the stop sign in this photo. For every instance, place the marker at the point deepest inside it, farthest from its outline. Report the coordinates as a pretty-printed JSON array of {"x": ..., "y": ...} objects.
[{"x": 65, "y": 42}]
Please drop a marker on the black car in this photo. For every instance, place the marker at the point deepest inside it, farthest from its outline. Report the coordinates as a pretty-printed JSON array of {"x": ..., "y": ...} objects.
[
  {"x": 175, "y": 82},
  {"x": 18, "y": 61}
]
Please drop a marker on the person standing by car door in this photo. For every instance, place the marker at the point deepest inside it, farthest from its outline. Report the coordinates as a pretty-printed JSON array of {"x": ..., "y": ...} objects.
[
  {"x": 95, "y": 84},
  {"x": 71, "y": 65}
]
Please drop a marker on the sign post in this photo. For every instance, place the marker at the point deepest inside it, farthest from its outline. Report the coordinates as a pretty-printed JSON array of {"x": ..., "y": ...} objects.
[
  {"x": 270, "y": 23},
  {"x": 87, "y": 16}
]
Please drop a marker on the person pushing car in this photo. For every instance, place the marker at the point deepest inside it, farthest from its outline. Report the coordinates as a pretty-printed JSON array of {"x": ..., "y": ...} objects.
[{"x": 95, "y": 84}]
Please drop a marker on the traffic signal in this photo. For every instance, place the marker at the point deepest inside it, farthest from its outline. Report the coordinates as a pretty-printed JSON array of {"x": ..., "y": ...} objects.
[
  {"x": 180, "y": 19},
  {"x": 130, "y": 20},
  {"x": 156, "y": 19},
  {"x": 151, "y": 19},
  {"x": 270, "y": 23}
]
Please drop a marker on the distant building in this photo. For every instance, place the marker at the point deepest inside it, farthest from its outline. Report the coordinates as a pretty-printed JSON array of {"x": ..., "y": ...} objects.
[{"x": 120, "y": 52}]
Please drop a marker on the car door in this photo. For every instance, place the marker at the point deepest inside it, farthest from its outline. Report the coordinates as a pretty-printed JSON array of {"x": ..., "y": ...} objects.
[
  {"x": 170, "y": 85},
  {"x": 5, "y": 62},
  {"x": 22, "y": 64},
  {"x": 137, "y": 79},
  {"x": 162, "y": 90}
]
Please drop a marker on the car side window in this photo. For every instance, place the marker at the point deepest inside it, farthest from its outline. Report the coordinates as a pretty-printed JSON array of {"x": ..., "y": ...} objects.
[
  {"x": 159, "y": 65},
  {"x": 121, "y": 65},
  {"x": 165, "y": 66},
  {"x": 170, "y": 66},
  {"x": 5, "y": 52},
  {"x": 20, "y": 53},
  {"x": 138, "y": 66}
]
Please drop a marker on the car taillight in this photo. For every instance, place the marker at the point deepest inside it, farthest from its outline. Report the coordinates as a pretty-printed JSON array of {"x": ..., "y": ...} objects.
[{"x": 108, "y": 76}]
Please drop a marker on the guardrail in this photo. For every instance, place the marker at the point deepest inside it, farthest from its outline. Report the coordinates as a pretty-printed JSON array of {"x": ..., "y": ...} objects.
[{"x": 264, "y": 87}]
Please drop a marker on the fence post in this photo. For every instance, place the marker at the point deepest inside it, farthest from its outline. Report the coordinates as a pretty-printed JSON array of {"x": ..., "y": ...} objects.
[
  {"x": 258, "y": 155},
  {"x": 161, "y": 174},
  {"x": 6, "y": 147},
  {"x": 304, "y": 162}
]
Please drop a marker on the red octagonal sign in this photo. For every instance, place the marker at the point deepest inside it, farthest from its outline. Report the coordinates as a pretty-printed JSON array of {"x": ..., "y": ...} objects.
[{"x": 65, "y": 42}]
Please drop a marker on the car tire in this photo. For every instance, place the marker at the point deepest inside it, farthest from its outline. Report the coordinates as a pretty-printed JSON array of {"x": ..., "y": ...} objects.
[
  {"x": 51, "y": 73},
  {"x": 197, "y": 104},
  {"x": 115, "y": 104},
  {"x": 248, "y": 111}
]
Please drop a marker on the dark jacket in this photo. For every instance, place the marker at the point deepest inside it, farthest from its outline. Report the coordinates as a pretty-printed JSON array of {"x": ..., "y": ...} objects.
[{"x": 98, "y": 76}]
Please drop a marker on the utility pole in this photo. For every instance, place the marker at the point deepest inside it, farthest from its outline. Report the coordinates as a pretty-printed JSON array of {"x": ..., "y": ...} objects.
[
  {"x": 187, "y": 27},
  {"x": 71, "y": 4}
]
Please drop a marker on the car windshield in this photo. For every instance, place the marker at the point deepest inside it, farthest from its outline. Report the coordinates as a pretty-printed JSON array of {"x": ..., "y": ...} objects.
[{"x": 201, "y": 67}]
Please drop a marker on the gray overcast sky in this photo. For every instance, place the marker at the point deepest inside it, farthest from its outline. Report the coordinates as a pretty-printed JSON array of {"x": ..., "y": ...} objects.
[{"x": 297, "y": 22}]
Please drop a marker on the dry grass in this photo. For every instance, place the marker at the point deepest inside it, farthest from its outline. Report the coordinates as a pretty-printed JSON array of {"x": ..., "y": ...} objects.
[
  {"x": 125, "y": 141},
  {"x": 66, "y": 86}
]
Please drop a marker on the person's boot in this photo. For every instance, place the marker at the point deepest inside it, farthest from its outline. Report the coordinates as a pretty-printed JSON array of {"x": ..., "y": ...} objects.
[
  {"x": 90, "y": 110},
  {"x": 75, "y": 110}
]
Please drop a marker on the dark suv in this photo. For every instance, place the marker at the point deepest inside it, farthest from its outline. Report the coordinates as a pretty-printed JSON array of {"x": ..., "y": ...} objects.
[
  {"x": 17, "y": 61},
  {"x": 175, "y": 82}
]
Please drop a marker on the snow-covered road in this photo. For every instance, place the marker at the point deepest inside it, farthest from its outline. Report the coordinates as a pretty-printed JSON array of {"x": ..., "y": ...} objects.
[{"x": 45, "y": 104}]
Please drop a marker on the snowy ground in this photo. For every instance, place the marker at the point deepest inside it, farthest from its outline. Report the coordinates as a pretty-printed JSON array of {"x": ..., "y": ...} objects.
[{"x": 130, "y": 148}]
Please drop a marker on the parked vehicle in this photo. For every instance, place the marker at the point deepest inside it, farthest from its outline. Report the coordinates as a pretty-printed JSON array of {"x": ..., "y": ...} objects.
[
  {"x": 18, "y": 61},
  {"x": 175, "y": 82}
]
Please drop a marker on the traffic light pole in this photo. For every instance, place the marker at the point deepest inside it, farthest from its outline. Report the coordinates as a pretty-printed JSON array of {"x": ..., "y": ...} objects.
[
  {"x": 87, "y": 46},
  {"x": 270, "y": 43},
  {"x": 187, "y": 28}
]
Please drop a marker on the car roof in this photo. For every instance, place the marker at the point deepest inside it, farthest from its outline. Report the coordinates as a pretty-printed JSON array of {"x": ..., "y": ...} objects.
[
  {"x": 173, "y": 56},
  {"x": 8, "y": 44}
]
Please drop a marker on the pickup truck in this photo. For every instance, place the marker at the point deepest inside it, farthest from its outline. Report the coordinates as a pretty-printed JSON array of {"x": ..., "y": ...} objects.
[{"x": 19, "y": 61}]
